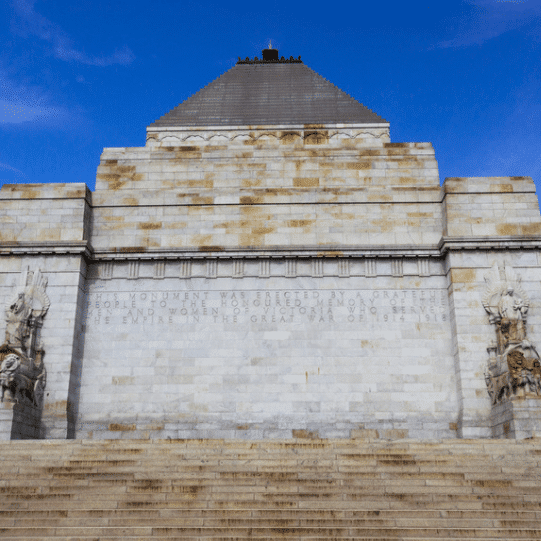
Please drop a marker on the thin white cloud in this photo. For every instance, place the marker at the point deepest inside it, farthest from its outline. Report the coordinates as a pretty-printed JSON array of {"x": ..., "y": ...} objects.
[
  {"x": 20, "y": 103},
  {"x": 6, "y": 167},
  {"x": 11, "y": 175},
  {"x": 123, "y": 56},
  {"x": 16, "y": 113},
  {"x": 29, "y": 22},
  {"x": 492, "y": 18}
]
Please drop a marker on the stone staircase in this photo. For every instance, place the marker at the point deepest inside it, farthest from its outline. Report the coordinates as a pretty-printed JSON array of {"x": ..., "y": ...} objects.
[{"x": 274, "y": 489}]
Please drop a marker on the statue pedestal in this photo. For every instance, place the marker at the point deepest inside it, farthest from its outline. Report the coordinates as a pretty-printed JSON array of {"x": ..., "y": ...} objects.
[
  {"x": 19, "y": 421},
  {"x": 519, "y": 418}
]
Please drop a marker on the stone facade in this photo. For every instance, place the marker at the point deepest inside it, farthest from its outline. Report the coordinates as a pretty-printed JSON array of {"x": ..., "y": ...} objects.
[{"x": 274, "y": 281}]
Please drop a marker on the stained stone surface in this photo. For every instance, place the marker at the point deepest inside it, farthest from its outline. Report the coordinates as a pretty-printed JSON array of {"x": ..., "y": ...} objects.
[
  {"x": 268, "y": 355},
  {"x": 272, "y": 281},
  {"x": 19, "y": 421}
]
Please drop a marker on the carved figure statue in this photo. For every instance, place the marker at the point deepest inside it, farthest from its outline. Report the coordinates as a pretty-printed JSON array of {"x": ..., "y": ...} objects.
[
  {"x": 18, "y": 323},
  {"x": 499, "y": 387},
  {"x": 22, "y": 379},
  {"x": 512, "y": 312},
  {"x": 504, "y": 297},
  {"x": 513, "y": 364},
  {"x": 22, "y": 372},
  {"x": 505, "y": 306},
  {"x": 25, "y": 313},
  {"x": 511, "y": 306},
  {"x": 18, "y": 384}
]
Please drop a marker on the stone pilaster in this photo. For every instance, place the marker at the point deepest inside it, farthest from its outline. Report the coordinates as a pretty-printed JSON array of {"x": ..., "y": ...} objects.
[
  {"x": 487, "y": 222},
  {"x": 55, "y": 241}
]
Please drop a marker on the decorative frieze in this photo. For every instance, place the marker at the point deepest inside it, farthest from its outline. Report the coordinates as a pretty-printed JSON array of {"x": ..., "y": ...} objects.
[
  {"x": 344, "y": 268},
  {"x": 397, "y": 267},
  {"x": 133, "y": 269},
  {"x": 264, "y": 268},
  {"x": 186, "y": 268},
  {"x": 371, "y": 269},
  {"x": 317, "y": 268},
  {"x": 159, "y": 269},
  {"x": 106, "y": 270},
  {"x": 178, "y": 137},
  {"x": 212, "y": 268},
  {"x": 238, "y": 268},
  {"x": 291, "y": 268},
  {"x": 423, "y": 267}
]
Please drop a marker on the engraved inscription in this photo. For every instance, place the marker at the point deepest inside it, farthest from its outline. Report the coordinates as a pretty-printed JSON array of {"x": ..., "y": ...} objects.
[{"x": 312, "y": 306}]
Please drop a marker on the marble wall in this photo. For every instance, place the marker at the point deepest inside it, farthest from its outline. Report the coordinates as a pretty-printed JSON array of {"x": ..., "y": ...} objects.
[
  {"x": 261, "y": 357},
  {"x": 271, "y": 283}
]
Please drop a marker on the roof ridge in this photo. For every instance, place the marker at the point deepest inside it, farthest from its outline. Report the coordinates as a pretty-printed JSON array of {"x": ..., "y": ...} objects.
[{"x": 282, "y": 60}]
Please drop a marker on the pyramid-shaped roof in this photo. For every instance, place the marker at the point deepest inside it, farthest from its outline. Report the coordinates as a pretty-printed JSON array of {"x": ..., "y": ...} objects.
[{"x": 280, "y": 92}]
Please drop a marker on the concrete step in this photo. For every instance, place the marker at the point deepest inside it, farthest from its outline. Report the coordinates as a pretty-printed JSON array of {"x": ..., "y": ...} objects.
[
  {"x": 259, "y": 522},
  {"x": 273, "y": 537},
  {"x": 320, "y": 489},
  {"x": 267, "y": 533},
  {"x": 296, "y": 514}
]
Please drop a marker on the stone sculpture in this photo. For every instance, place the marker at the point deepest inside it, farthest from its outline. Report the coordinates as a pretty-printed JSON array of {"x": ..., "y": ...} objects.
[
  {"x": 22, "y": 372},
  {"x": 514, "y": 367}
]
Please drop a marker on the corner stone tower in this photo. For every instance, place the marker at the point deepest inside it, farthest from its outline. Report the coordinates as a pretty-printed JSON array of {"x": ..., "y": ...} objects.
[{"x": 270, "y": 265}]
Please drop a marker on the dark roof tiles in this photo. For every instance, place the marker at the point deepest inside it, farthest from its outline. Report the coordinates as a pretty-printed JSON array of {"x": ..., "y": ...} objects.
[{"x": 269, "y": 93}]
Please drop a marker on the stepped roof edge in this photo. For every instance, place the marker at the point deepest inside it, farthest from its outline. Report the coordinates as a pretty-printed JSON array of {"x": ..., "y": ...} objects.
[{"x": 248, "y": 127}]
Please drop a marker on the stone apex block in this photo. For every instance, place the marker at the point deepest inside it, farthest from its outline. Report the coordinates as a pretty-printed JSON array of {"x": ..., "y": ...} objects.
[
  {"x": 460, "y": 185},
  {"x": 64, "y": 190}
]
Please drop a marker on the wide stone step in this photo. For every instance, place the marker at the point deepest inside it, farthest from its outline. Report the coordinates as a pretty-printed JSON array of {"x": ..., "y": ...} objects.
[
  {"x": 274, "y": 537},
  {"x": 194, "y": 495},
  {"x": 372, "y": 504},
  {"x": 320, "y": 489},
  {"x": 323, "y": 514},
  {"x": 259, "y": 522},
  {"x": 269, "y": 533}
]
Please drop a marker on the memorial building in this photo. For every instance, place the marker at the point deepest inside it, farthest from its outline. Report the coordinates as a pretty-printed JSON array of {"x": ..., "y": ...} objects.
[{"x": 270, "y": 265}]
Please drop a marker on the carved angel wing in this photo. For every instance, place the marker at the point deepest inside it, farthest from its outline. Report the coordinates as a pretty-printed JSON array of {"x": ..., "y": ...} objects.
[
  {"x": 36, "y": 291},
  {"x": 494, "y": 287},
  {"x": 33, "y": 285},
  {"x": 498, "y": 279}
]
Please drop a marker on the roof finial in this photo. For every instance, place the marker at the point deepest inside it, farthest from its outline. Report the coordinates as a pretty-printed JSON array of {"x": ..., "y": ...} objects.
[{"x": 270, "y": 54}]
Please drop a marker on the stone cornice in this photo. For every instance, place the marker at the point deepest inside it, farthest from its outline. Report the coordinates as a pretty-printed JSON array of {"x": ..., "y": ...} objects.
[
  {"x": 511, "y": 242},
  {"x": 274, "y": 252},
  {"x": 47, "y": 248},
  {"x": 446, "y": 244}
]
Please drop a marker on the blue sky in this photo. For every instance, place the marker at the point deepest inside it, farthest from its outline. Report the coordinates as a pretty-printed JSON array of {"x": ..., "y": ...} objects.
[{"x": 76, "y": 77}]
